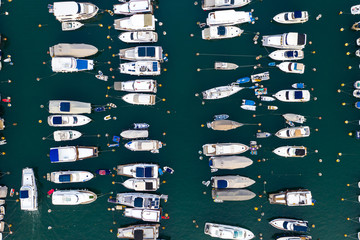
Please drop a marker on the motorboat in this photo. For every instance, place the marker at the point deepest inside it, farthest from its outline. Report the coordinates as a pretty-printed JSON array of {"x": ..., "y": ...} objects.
[
  {"x": 216, "y": 149},
  {"x": 66, "y": 135},
  {"x": 224, "y": 125},
  {"x": 248, "y": 105},
  {"x": 2, "y": 123},
  {"x": 221, "y": 92},
  {"x": 227, "y": 231},
  {"x": 70, "y": 64},
  {"x": 358, "y": 41},
  {"x": 292, "y": 17},
  {"x": 298, "y": 85},
  {"x": 259, "y": 77},
  {"x": 355, "y": 10},
  {"x": 287, "y": 55},
  {"x": 294, "y": 118},
  {"x": 231, "y": 181},
  {"x": 138, "y": 85},
  {"x": 291, "y": 151},
  {"x": 140, "y": 98},
  {"x": 139, "y": 37},
  {"x": 221, "y": 32},
  {"x": 225, "y": 66},
  {"x": 292, "y": 67},
  {"x": 293, "y": 132},
  {"x": 138, "y": 22},
  {"x": 295, "y": 238},
  {"x": 70, "y": 26},
  {"x": 133, "y": 7},
  {"x": 77, "y": 50},
  {"x": 69, "y": 176},
  {"x": 142, "y": 53},
  {"x": 139, "y": 200},
  {"x": 356, "y": 93},
  {"x": 141, "y": 68},
  {"x": 228, "y": 18},
  {"x": 272, "y": 107},
  {"x": 267, "y": 98},
  {"x": 140, "y": 231},
  {"x": 144, "y": 145},
  {"x": 68, "y": 107},
  {"x": 2, "y": 214},
  {"x": 72, "y": 153},
  {"x": 73, "y": 197},
  {"x": 68, "y": 120},
  {"x": 72, "y": 11},
  {"x": 357, "y": 84},
  {"x": 292, "y": 198},
  {"x": 134, "y": 134},
  {"x": 142, "y": 184},
  {"x": 223, "y": 4},
  {"x": 221, "y": 195},
  {"x": 141, "y": 126},
  {"x": 290, "y": 224},
  {"x": 291, "y": 40},
  {"x": 293, "y": 95},
  {"x": 139, "y": 170},
  {"x": 262, "y": 134},
  {"x": 356, "y": 26},
  {"x": 146, "y": 215},
  {"x": 229, "y": 162},
  {"x": 357, "y": 105},
  {"x": 28, "y": 191}
]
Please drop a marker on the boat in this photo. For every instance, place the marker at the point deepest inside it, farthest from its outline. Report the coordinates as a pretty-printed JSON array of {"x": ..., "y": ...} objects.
[
  {"x": 138, "y": 22},
  {"x": 231, "y": 181},
  {"x": 291, "y": 151},
  {"x": 221, "y": 92},
  {"x": 243, "y": 80},
  {"x": 223, "y": 125},
  {"x": 221, "y": 117},
  {"x": 248, "y": 105},
  {"x": 141, "y": 126},
  {"x": 103, "y": 172},
  {"x": 290, "y": 224},
  {"x": 77, "y": 50},
  {"x": 139, "y": 37},
  {"x": 260, "y": 77},
  {"x": 223, "y": 4},
  {"x": 295, "y": 238},
  {"x": 68, "y": 107},
  {"x": 2, "y": 214},
  {"x": 142, "y": 53},
  {"x": 356, "y": 93},
  {"x": 66, "y": 135},
  {"x": 141, "y": 68},
  {"x": 72, "y": 153},
  {"x": 291, "y": 40},
  {"x": 146, "y": 215},
  {"x": 28, "y": 191},
  {"x": 140, "y": 231},
  {"x": 292, "y": 95},
  {"x": 293, "y": 132},
  {"x": 73, "y": 197},
  {"x": 70, "y": 176},
  {"x": 355, "y": 9},
  {"x": 356, "y": 26},
  {"x": 152, "y": 146},
  {"x": 139, "y": 200},
  {"x": 294, "y": 117},
  {"x": 298, "y": 85},
  {"x": 292, "y": 17},
  {"x": 357, "y": 105},
  {"x": 229, "y": 162},
  {"x": 133, "y": 134},
  {"x": 70, "y": 26},
  {"x": 70, "y": 64},
  {"x": 101, "y": 76},
  {"x": 267, "y": 98},
  {"x": 70, "y": 10},
  {"x": 142, "y": 184},
  {"x": 291, "y": 67},
  {"x": 221, "y": 32},
  {"x": 68, "y": 120},
  {"x": 228, "y": 18},
  {"x": 138, "y": 170},
  {"x": 227, "y": 232},
  {"x": 357, "y": 84},
  {"x": 225, "y": 66},
  {"x": 221, "y": 195},
  {"x": 133, "y": 7},
  {"x": 216, "y": 149},
  {"x": 138, "y": 85},
  {"x": 292, "y": 198},
  {"x": 287, "y": 55},
  {"x": 263, "y": 135},
  {"x": 140, "y": 98}
]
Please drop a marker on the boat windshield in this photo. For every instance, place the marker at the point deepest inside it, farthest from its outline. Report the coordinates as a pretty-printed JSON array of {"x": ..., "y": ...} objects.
[
  {"x": 132, "y": 36},
  {"x": 286, "y": 17},
  {"x": 79, "y": 8},
  {"x": 75, "y": 119},
  {"x": 287, "y": 95},
  {"x": 288, "y": 133}
]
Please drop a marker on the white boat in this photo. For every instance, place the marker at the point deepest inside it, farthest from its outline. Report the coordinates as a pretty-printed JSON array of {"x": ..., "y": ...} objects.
[
  {"x": 142, "y": 184},
  {"x": 267, "y": 98},
  {"x": 293, "y": 132},
  {"x": 70, "y": 176},
  {"x": 260, "y": 77},
  {"x": 287, "y": 224},
  {"x": 68, "y": 107},
  {"x": 357, "y": 84},
  {"x": 133, "y": 134},
  {"x": 223, "y": 125},
  {"x": 66, "y": 135},
  {"x": 139, "y": 37},
  {"x": 139, "y": 200},
  {"x": 290, "y": 55},
  {"x": 73, "y": 197},
  {"x": 138, "y": 22},
  {"x": 355, "y": 9},
  {"x": 223, "y": 4},
  {"x": 142, "y": 53},
  {"x": 233, "y": 194},
  {"x": 133, "y": 7},
  {"x": 292, "y": 67},
  {"x": 356, "y": 26},
  {"x": 229, "y": 162},
  {"x": 228, "y": 18},
  {"x": 294, "y": 118},
  {"x": 144, "y": 145},
  {"x": 358, "y": 41},
  {"x": 221, "y": 92},
  {"x": 141, "y": 68},
  {"x": 67, "y": 120},
  {"x": 28, "y": 191},
  {"x": 140, "y": 98},
  {"x": 70, "y": 64},
  {"x": 216, "y": 149},
  {"x": 70, "y": 26},
  {"x": 291, "y": 40},
  {"x": 70, "y": 11},
  {"x": 357, "y": 53},
  {"x": 72, "y": 153},
  {"x": 356, "y": 93},
  {"x": 295, "y": 238},
  {"x": 292, "y": 198},
  {"x": 227, "y": 232},
  {"x": 77, "y": 50},
  {"x": 291, "y": 151},
  {"x": 231, "y": 181},
  {"x": 146, "y": 215},
  {"x": 292, "y": 95},
  {"x": 221, "y": 32},
  {"x": 138, "y": 85},
  {"x": 138, "y": 170},
  {"x": 141, "y": 231},
  {"x": 225, "y": 66},
  {"x": 292, "y": 17}
]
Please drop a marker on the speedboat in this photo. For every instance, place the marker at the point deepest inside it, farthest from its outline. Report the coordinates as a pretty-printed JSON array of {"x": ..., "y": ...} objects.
[
  {"x": 66, "y": 135},
  {"x": 141, "y": 231},
  {"x": 259, "y": 77},
  {"x": 227, "y": 232},
  {"x": 146, "y": 215},
  {"x": 356, "y": 93},
  {"x": 225, "y": 66},
  {"x": 73, "y": 197},
  {"x": 229, "y": 162},
  {"x": 233, "y": 194},
  {"x": 144, "y": 145},
  {"x": 283, "y": 55},
  {"x": 68, "y": 120},
  {"x": 139, "y": 200},
  {"x": 224, "y": 125},
  {"x": 142, "y": 184},
  {"x": 262, "y": 134},
  {"x": 291, "y": 151},
  {"x": 357, "y": 84},
  {"x": 228, "y": 18},
  {"x": 138, "y": 22},
  {"x": 141, "y": 68},
  {"x": 223, "y": 4},
  {"x": 291, "y": 67},
  {"x": 295, "y": 238},
  {"x": 290, "y": 224},
  {"x": 221, "y": 92},
  {"x": 293, "y": 132},
  {"x": 70, "y": 26},
  {"x": 138, "y": 85},
  {"x": 70, "y": 11},
  {"x": 140, "y": 98},
  {"x": 72, "y": 153},
  {"x": 215, "y": 149},
  {"x": 139, "y": 37},
  {"x": 221, "y": 32},
  {"x": 292, "y": 17},
  {"x": 292, "y": 95},
  {"x": 231, "y": 181},
  {"x": 28, "y": 191},
  {"x": 356, "y": 26},
  {"x": 142, "y": 53},
  {"x": 297, "y": 118},
  {"x": 68, "y": 107},
  {"x": 70, "y": 176},
  {"x": 133, "y": 7},
  {"x": 291, "y": 40},
  {"x": 355, "y": 9},
  {"x": 139, "y": 170},
  {"x": 133, "y": 134},
  {"x": 292, "y": 198},
  {"x": 70, "y": 64},
  {"x": 77, "y": 50}
]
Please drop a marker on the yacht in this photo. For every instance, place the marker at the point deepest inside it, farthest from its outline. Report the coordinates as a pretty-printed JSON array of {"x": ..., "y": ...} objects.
[
  {"x": 146, "y": 215},
  {"x": 71, "y": 26},
  {"x": 221, "y": 32},
  {"x": 141, "y": 68},
  {"x": 142, "y": 184},
  {"x": 139, "y": 200},
  {"x": 144, "y": 145},
  {"x": 134, "y": 134},
  {"x": 291, "y": 67},
  {"x": 28, "y": 191},
  {"x": 73, "y": 197},
  {"x": 231, "y": 181},
  {"x": 293, "y": 132},
  {"x": 72, "y": 153},
  {"x": 229, "y": 162},
  {"x": 290, "y": 224},
  {"x": 215, "y": 149},
  {"x": 291, "y": 198},
  {"x": 140, "y": 98},
  {"x": 133, "y": 7},
  {"x": 142, "y": 53},
  {"x": 292, "y": 17},
  {"x": 77, "y": 50},
  {"x": 228, "y": 18},
  {"x": 221, "y": 92},
  {"x": 223, "y": 125},
  {"x": 139, "y": 37},
  {"x": 291, "y": 151},
  {"x": 70, "y": 10},
  {"x": 294, "y": 118},
  {"x": 70, "y": 64},
  {"x": 138, "y": 85},
  {"x": 223, "y": 4},
  {"x": 70, "y": 176},
  {"x": 292, "y": 95},
  {"x": 287, "y": 55},
  {"x": 225, "y": 66},
  {"x": 139, "y": 170},
  {"x": 66, "y": 135},
  {"x": 221, "y": 195},
  {"x": 141, "y": 231},
  {"x": 227, "y": 232},
  {"x": 291, "y": 40},
  {"x": 68, "y": 120},
  {"x": 68, "y": 107},
  {"x": 138, "y": 22}
]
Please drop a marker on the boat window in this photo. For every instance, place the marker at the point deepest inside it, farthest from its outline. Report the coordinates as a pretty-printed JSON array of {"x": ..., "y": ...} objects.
[
  {"x": 286, "y": 17},
  {"x": 287, "y": 95},
  {"x": 232, "y": 2},
  {"x": 288, "y": 133},
  {"x": 132, "y": 36},
  {"x": 221, "y": 31},
  {"x": 75, "y": 119},
  {"x": 79, "y": 8}
]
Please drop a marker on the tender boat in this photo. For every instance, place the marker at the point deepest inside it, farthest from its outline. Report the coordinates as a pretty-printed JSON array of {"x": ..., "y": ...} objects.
[
  {"x": 68, "y": 107},
  {"x": 356, "y": 93},
  {"x": 140, "y": 98},
  {"x": 76, "y": 50},
  {"x": 139, "y": 170},
  {"x": 66, "y": 135},
  {"x": 223, "y": 4},
  {"x": 291, "y": 151},
  {"x": 221, "y": 117},
  {"x": 263, "y": 135},
  {"x": 292, "y": 198},
  {"x": 357, "y": 53},
  {"x": 133, "y": 134},
  {"x": 221, "y": 92},
  {"x": 290, "y": 55},
  {"x": 144, "y": 145},
  {"x": 267, "y": 98},
  {"x": 227, "y": 232},
  {"x": 139, "y": 200},
  {"x": 70, "y": 176},
  {"x": 229, "y": 162},
  {"x": 142, "y": 184},
  {"x": 139, "y": 37},
  {"x": 68, "y": 120},
  {"x": 356, "y": 26},
  {"x": 298, "y": 85},
  {"x": 224, "y": 125},
  {"x": 69, "y": 11},
  {"x": 291, "y": 40},
  {"x": 28, "y": 191},
  {"x": 73, "y": 197},
  {"x": 138, "y": 85},
  {"x": 357, "y": 105},
  {"x": 260, "y": 77},
  {"x": 357, "y": 84},
  {"x": 358, "y": 41},
  {"x": 293, "y": 132},
  {"x": 290, "y": 224},
  {"x": 292, "y": 95},
  {"x": 294, "y": 118},
  {"x": 292, "y": 17},
  {"x": 146, "y": 215},
  {"x": 231, "y": 181},
  {"x": 133, "y": 7},
  {"x": 141, "y": 126},
  {"x": 70, "y": 26},
  {"x": 70, "y": 64},
  {"x": 138, "y": 22},
  {"x": 295, "y": 238},
  {"x": 216, "y": 149},
  {"x": 225, "y": 66},
  {"x": 228, "y": 18},
  {"x": 355, "y": 9},
  {"x": 221, "y": 32},
  {"x": 72, "y": 153},
  {"x": 291, "y": 67},
  {"x": 141, "y": 231},
  {"x": 142, "y": 53},
  {"x": 221, "y": 195},
  {"x": 141, "y": 68}
]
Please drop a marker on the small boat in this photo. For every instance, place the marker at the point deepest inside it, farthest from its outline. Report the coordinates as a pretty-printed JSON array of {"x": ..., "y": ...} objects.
[
  {"x": 70, "y": 26},
  {"x": 291, "y": 151},
  {"x": 2, "y": 213},
  {"x": 70, "y": 176},
  {"x": 221, "y": 195},
  {"x": 140, "y": 98},
  {"x": 357, "y": 105},
  {"x": 12, "y": 192},
  {"x": 216, "y": 149},
  {"x": 292, "y": 17},
  {"x": 68, "y": 120},
  {"x": 227, "y": 232},
  {"x": 221, "y": 92},
  {"x": 357, "y": 84},
  {"x": 142, "y": 184},
  {"x": 248, "y": 105},
  {"x": 138, "y": 85},
  {"x": 228, "y": 18},
  {"x": 224, "y": 125},
  {"x": 287, "y": 55},
  {"x": 356, "y": 26},
  {"x": 229, "y": 162},
  {"x": 356, "y": 93},
  {"x": 28, "y": 191},
  {"x": 77, "y": 50},
  {"x": 68, "y": 107},
  {"x": 103, "y": 172},
  {"x": 290, "y": 224},
  {"x": 139, "y": 37},
  {"x": 267, "y": 98},
  {"x": 141, "y": 126},
  {"x": 243, "y": 80},
  {"x": 358, "y": 41},
  {"x": 260, "y": 91},
  {"x": 291, "y": 67},
  {"x": 72, "y": 153},
  {"x": 295, "y": 238},
  {"x": 357, "y": 53},
  {"x": 223, "y": 4},
  {"x": 72, "y": 197},
  {"x": 231, "y": 181},
  {"x": 141, "y": 68},
  {"x": 291, "y": 40},
  {"x": 221, "y": 32},
  {"x": 301, "y": 197},
  {"x": 133, "y": 7},
  {"x": 66, "y": 135},
  {"x": 355, "y": 9},
  {"x": 225, "y": 66},
  {"x": 293, "y": 95},
  {"x": 152, "y": 146},
  {"x": 221, "y": 117},
  {"x": 298, "y": 85},
  {"x": 69, "y": 11},
  {"x": 139, "y": 200},
  {"x": 273, "y": 108},
  {"x": 137, "y": 22},
  {"x": 101, "y": 76},
  {"x": 138, "y": 170},
  {"x": 142, "y": 53},
  {"x": 146, "y": 215},
  {"x": 263, "y": 135},
  {"x": 133, "y": 134},
  {"x": 293, "y": 132},
  {"x": 260, "y": 77},
  {"x": 294, "y": 118},
  {"x": 140, "y": 231},
  {"x": 70, "y": 64}
]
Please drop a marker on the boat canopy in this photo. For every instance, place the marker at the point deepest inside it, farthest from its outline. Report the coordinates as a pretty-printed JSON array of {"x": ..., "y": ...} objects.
[
  {"x": 66, "y": 8},
  {"x": 138, "y": 202},
  {"x": 144, "y": 172},
  {"x": 81, "y": 64},
  {"x": 65, "y": 178},
  {"x": 221, "y": 31},
  {"x": 291, "y": 54},
  {"x": 300, "y": 152},
  {"x": 146, "y": 51},
  {"x": 297, "y": 14},
  {"x": 222, "y": 184},
  {"x": 298, "y": 95},
  {"x": 24, "y": 194}
]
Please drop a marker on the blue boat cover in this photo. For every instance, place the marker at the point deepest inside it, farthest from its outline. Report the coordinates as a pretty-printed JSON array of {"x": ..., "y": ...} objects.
[
  {"x": 139, "y": 172},
  {"x": 81, "y": 64},
  {"x": 249, "y": 102},
  {"x": 357, "y": 134},
  {"x": 300, "y": 85},
  {"x": 54, "y": 155},
  {"x": 243, "y": 80},
  {"x": 155, "y": 66},
  {"x": 24, "y": 194},
  {"x": 57, "y": 120},
  {"x": 138, "y": 202},
  {"x": 210, "y": 163},
  {"x": 297, "y": 14},
  {"x": 65, "y": 107},
  {"x": 357, "y": 104},
  {"x": 148, "y": 172},
  {"x": 99, "y": 109},
  {"x": 146, "y": 51},
  {"x": 289, "y": 54},
  {"x": 222, "y": 184},
  {"x": 65, "y": 178},
  {"x": 300, "y": 228},
  {"x": 221, "y": 31},
  {"x": 298, "y": 95}
]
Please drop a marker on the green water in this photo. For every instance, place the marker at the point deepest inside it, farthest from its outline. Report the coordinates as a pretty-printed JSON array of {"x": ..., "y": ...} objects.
[{"x": 28, "y": 44}]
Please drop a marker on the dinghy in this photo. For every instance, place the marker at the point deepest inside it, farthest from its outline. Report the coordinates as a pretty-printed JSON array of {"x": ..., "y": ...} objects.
[
  {"x": 221, "y": 32},
  {"x": 291, "y": 151},
  {"x": 273, "y": 108},
  {"x": 356, "y": 93},
  {"x": 221, "y": 92},
  {"x": 358, "y": 41},
  {"x": 228, "y": 18},
  {"x": 231, "y": 181},
  {"x": 287, "y": 224},
  {"x": 357, "y": 84},
  {"x": 70, "y": 11},
  {"x": 133, "y": 7},
  {"x": 298, "y": 85},
  {"x": 293, "y": 132},
  {"x": 68, "y": 107},
  {"x": 293, "y": 95},
  {"x": 141, "y": 68},
  {"x": 66, "y": 135},
  {"x": 133, "y": 134},
  {"x": 357, "y": 105},
  {"x": 248, "y": 105},
  {"x": 243, "y": 80},
  {"x": 140, "y": 98},
  {"x": 137, "y": 22},
  {"x": 291, "y": 67},
  {"x": 70, "y": 26},
  {"x": 139, "y": 200},
  {"x": 260, "y": 77},
  {"x": 229, "y": 162},
  {"x": 140, "y": 231},
  {"x": 138, "y": 85},
  {"x": 73, "y": 197},
  {"x": 152, "y": 146},
  {"x": 267, "y": 98},
  {"x": 224, "y": 125},
  {"x": 294, "y": 118},
  {"x": 145, "y": 184},
  {"x": 355, "y": 10},
  {"x": 139, "y": 37},
  {"x": 221, "y": 117},
  {"x": 263, "y": 135},
  {"x": 68, "y": 120},
  {"x": 223, "y": 4},
  {"x": 141, "y": 126},
  {"x": 221, "y": 195},
  {"x": 70, "y": 176},
  {"x": 357, "y": 53},
  {"x": 146, "y": 215},
  {"x": 72, "y": 153},
  {"x": 356, "y": 26},
  {"x": 287, "y": 55},
  {"x": 292, "y": 17},
  {"x": 227, "y": 232},
  {"x": 216, "y": 149},
  {"x": 225, "y": 66},
  {"x": 77, "y": 50},
  {"x": 291, "y": 40}
]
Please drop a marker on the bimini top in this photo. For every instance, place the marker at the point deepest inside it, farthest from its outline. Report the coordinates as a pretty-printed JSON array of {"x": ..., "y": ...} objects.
[
  {"x": 66, "y": 8},
  {"x": 68, "y": 107}
]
